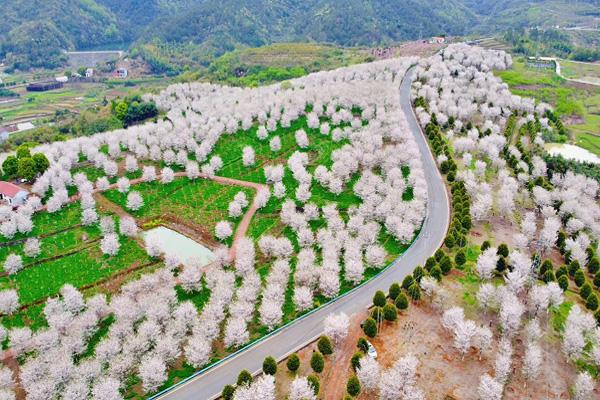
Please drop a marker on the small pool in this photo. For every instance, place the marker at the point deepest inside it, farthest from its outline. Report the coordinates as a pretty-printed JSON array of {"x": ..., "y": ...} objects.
[
  {"x": 572, "y": 152},
  {"x": 184, "y": 248}
]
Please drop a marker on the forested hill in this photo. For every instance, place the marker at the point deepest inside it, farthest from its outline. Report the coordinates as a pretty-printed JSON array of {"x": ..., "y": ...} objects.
[{"x": 33, "y": 32}]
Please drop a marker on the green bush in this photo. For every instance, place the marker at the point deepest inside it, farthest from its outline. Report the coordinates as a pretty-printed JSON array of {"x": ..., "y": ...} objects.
[
  {"x": 370, "y": 327},
  {"x": 353, "y": 386},
  {"x": 430, "y": 263},
  {"x": 592, "y": 302},
  {"x": 394, "y": 291},
  {"x": 546, "y": 266},
  {"x": 355, "y": 360},
  {"x": 549, "y": 276},
  {"x": 325, "y": 346},
  {"x": 574, "y": 267},
  {"x": 313, "y": 380},
  {"x": 390, "y": 312},
  {"x": 597, "y": 280},
  {"x": 563, "y": 282},
  {"x": 501, "y": 264},
  {"x": 485, "y": 245},
  {"x": 293, "y": 362},
  {"x": 362, "y": 345},
  {"x": 244, "y": 378},
  {"x": 418, "y": 273},
  {"x": 436, "y": 272},
  {"x": 414, "y": 291},
  {"x": 593, "y": 265},
  {"x": 227, "y": 393},
  {"x": 401, "y": 302},
  {"x": 317, "y": 362},
  {"x": 406, "y": 282},
  {"x": 269, "y": 366},
  {"x": 502, "y": 250},
  {"x": 562, "y": 270},
  {"x": 379, "y": 299},
  {"x": 460, "y": 259},
  {"x": 579, "y": 278},
  {"x": 585, "y": 290},
  {"x": 446, "y": 265},
  {"x": 377, "y": 313}
]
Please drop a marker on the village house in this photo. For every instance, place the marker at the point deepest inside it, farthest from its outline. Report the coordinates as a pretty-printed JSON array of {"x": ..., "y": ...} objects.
[
  {"x": 12, "y": 194},
  {"x": 89, "y": 72},
  {"x": 120, "y": 73}
]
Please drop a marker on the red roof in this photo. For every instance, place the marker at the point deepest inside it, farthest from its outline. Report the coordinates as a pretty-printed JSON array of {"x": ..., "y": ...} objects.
[{"x": 9, "y": 189}]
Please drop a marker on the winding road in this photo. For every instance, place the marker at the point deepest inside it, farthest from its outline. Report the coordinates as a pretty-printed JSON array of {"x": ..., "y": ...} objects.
[{"x": 207, "y": 384}]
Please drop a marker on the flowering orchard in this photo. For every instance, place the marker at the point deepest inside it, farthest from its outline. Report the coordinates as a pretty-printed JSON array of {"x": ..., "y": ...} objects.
[{"x": 325, "y": 167}]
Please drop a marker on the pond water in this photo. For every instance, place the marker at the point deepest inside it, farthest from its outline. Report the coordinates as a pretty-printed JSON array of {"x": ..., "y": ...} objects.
[
  {"x": 174, "y": 243},
  {"x": 572, "y": 152}
]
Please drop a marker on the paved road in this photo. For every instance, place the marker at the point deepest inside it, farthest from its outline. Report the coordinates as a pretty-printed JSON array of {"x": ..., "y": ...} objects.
[{"x": 209, "y": 384}]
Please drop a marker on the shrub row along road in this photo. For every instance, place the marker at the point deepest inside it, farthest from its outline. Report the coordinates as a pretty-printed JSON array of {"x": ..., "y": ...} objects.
[{"x": 208, "y": 384}]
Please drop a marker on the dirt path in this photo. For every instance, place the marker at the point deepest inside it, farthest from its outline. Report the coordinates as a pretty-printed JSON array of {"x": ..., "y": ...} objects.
[
  {"x": 10, "y": 360},
  {"x": 242, "y": 228},
  {"x": 339, "y": 368}
]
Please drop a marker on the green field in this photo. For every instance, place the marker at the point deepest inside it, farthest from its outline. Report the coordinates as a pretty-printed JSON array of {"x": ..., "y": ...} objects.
[
  {"x": 70, "y": 253},
  {"x": 577, "y": 70},
  {"x": 202, "y": 202},
  {"x": 578, "y": 105}
]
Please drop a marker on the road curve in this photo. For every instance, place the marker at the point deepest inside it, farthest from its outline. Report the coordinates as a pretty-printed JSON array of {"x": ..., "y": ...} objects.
[{"x": 209, "y": 383}]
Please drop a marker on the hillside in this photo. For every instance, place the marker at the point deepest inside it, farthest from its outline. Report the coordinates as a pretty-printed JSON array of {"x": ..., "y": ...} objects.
[
  {"x": 33, "y": 33},
  {"x": 499, "y": 15}
]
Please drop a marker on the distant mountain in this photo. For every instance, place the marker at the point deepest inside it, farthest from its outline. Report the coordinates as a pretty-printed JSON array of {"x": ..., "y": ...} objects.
[{"x": 33, "y": 32}]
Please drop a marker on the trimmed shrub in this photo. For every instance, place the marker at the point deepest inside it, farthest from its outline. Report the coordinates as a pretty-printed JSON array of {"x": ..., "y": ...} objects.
[
  {"x": 325, "y": 346},
  {"x": 370, "y": 327},
  {"x": 355, "y": 360},
  {"x": 353, "y": 386},
  {"x": 503, "y": 250},
  {"x": 414, "y": 291},
  {"x": 401, "y": 302},
  {"x": 585, "y": 290},
  {"x": 394, "y": 291},
  {"x": 293, "y": 362},
  {"x": 563, "y": 282},
  {"x": 390, "y": 312},
  {"x": 244, "y": 378},
  {"x": 379, "y": 299},
  {"x": 460, "y": 259},
  {"x": 362, "y": 345},
  {"x": 269, "y": 366},
  {"x": 227, "y": 393},
  {"x": 314, "y": 381},
  {"x": 485, "y": 245},
  {"x": 592, "y": 302},
  {"x": 317, "y": 362},
  {"x": 406, "y": 282},
  {"x": 436, "y": 272},
  {"x": 579, "y": 278}
]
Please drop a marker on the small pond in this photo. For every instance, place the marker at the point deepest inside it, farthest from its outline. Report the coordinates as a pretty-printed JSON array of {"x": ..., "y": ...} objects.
[
  {"x": 174, "y": 243},
  {"x": 572, "y": 152}
]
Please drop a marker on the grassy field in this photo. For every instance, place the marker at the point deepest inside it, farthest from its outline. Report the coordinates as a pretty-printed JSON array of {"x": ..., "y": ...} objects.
[
  {"x": 202, "y": 202},
  {"x": 74, "y": 96},
  {"x": 584, "y": 71},
  {"x": 577, "y": 104},
  {"x": 70, "y": 253}
]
